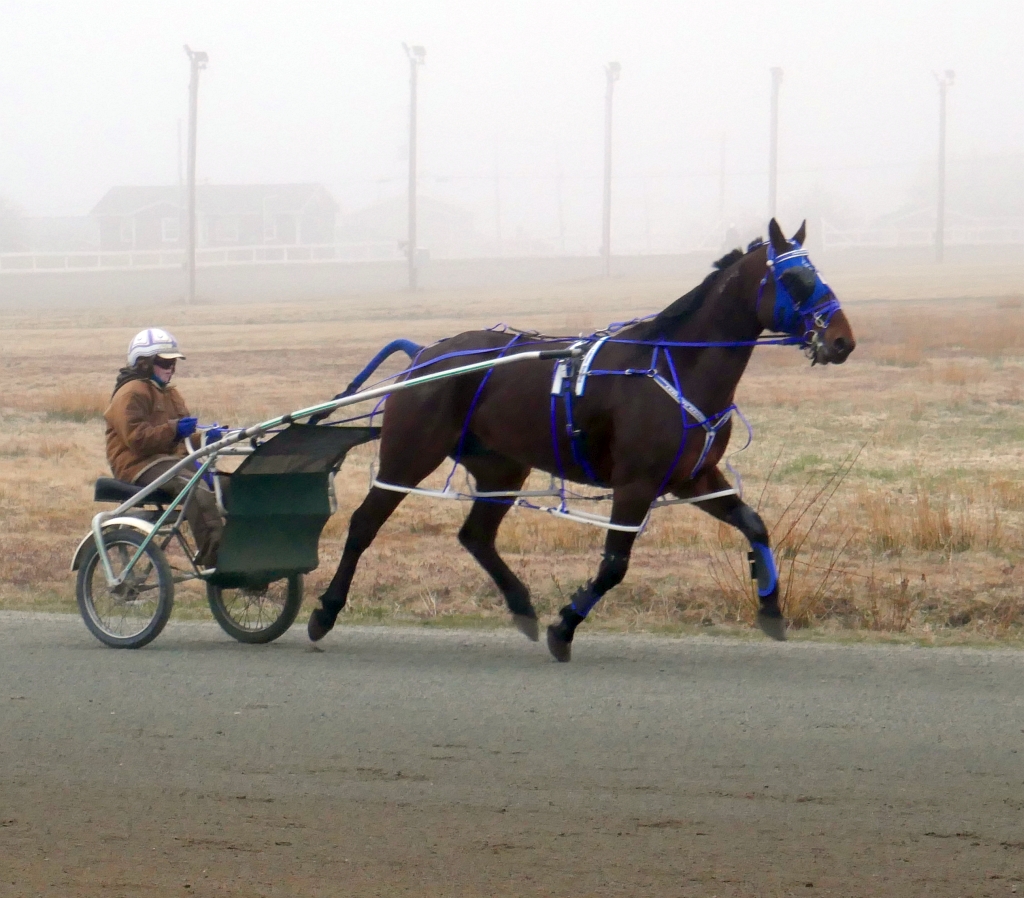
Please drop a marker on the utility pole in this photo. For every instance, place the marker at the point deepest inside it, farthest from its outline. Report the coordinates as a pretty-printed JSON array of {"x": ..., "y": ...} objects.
[
  {"x": 198, "y": 60},
  {"x": 773, "y": 148},
  {"x": 417, "y": 56},
  {"x": 181, "y": 188},
  {"x": 945, "y": 82},
  {"x": 612, "y": 71}
]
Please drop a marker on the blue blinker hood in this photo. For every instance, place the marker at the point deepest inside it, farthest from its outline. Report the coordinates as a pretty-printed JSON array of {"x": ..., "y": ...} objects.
[{"x": 802, "y": 299}]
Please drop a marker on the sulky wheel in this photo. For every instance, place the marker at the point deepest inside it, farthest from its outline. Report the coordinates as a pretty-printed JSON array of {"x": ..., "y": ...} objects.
[
  {"x": 256, "y": 615},
  {"x": 131, "y": 615}
]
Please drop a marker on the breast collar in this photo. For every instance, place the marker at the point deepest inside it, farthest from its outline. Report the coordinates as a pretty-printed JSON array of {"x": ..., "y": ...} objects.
[{"x": 569, "y": 380}]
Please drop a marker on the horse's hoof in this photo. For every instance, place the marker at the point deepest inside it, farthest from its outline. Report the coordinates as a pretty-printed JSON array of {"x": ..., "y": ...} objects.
[
  {"x": 772, "y": 623},
  {"x": 560, "y": 649},
  {"x": 526, "y": 625},
  {"x": 319, "y": 625}
]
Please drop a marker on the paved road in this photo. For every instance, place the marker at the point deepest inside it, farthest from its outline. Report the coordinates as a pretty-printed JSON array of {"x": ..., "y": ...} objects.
[{"x": 420, "y": 762}]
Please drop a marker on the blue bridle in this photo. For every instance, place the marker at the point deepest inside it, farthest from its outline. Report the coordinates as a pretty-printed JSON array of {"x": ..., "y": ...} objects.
[{"x": 807, "y": 314}]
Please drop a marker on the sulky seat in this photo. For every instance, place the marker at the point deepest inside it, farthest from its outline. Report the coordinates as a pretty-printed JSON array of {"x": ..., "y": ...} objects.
[{"x": 109, "y": 489}]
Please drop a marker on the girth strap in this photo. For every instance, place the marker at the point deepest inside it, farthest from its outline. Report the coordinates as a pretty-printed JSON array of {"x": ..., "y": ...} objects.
[{"x": 562, "y": 385}]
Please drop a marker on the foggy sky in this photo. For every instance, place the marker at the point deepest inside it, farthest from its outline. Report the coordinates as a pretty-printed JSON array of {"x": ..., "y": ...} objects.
[{"x": 512, "y": 103}]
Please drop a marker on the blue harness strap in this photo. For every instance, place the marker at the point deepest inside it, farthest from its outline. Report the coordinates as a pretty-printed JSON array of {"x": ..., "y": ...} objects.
[
  {"x": 568, "y": 383},
  {"x": 472, "y": 407},
  {"x": 407, "y": 346}
]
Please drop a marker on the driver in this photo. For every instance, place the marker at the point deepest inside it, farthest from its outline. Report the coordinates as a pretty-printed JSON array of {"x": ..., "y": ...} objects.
[{"x": 148, "y": 428}]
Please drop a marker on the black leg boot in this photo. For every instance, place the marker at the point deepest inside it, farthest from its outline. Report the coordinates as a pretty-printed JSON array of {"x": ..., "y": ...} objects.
[{"x": 560, "y": 634}]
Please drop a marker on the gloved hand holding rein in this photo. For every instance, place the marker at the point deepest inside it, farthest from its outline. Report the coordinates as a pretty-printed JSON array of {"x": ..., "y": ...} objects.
[
  {"x": 212, "y": 433},
  {"x": 185, "y": 428}
]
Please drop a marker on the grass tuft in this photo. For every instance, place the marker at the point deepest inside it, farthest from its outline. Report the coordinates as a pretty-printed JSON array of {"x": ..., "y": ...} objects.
[{"x": 77, "y": 406}]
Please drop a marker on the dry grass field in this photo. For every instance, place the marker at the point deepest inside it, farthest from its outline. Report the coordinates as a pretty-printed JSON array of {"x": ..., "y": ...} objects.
[{"x": 893, "y": 484}]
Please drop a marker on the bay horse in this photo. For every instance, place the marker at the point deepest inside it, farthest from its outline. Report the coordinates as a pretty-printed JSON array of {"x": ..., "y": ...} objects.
[{"x": 647, "y": 414}]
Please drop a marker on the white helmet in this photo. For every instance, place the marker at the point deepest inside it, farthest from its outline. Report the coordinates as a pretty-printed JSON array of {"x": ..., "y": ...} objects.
[{"x": 150, "y": 342}]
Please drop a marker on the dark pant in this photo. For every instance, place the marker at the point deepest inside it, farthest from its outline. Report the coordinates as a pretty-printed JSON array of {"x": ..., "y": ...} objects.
[{"x": 201, "y": 513}]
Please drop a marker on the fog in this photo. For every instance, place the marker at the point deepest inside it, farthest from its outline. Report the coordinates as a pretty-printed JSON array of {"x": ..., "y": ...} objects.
[{"x": 511, "y": 108}]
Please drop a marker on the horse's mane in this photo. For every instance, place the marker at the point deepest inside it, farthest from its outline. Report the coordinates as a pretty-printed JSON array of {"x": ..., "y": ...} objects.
[{"x": 687, "y": 304}]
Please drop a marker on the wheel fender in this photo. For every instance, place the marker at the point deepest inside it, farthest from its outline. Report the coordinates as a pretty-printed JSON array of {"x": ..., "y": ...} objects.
[{"x": 144, "y": 527}]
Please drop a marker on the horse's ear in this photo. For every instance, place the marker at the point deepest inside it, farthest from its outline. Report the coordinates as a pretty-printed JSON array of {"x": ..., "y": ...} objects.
[
  {"x": 775, "y": 235},
  {"x": 801, "y": 233}
]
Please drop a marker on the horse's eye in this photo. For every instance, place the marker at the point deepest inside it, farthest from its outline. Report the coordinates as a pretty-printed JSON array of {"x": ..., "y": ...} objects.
[{"x": 799, "y": 283}]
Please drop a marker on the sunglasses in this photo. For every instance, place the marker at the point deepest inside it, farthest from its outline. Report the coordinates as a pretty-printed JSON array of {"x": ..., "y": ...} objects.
[{"x": 164, "y": 363}]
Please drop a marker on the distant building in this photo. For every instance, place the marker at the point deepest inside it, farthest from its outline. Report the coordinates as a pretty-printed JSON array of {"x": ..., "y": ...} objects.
[
  {"x": 444, "y": 230},
  {"x": 152, "y": 218}
]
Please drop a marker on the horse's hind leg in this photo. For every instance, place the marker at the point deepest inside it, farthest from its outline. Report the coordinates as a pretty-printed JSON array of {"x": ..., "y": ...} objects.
[
  {"x": 478, "y": 533},
  {"x": 629, "y": 508},
  {"x": 414, "y": 442},
  {"x": 733, "y": 510},
  {"x": 366, "y": 520}
]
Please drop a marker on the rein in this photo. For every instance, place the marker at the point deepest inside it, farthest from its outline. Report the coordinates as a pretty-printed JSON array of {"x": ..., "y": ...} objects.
[{"x": 795, "y": 322}]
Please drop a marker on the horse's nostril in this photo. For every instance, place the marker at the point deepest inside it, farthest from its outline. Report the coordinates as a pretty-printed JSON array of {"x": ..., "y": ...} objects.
[{"x": 840, "y": 346}]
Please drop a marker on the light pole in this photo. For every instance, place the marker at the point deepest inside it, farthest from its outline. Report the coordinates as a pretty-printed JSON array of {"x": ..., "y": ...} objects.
[
  {"x": 181, "y": 189},
  {"x": 417, "y": 56},
  {"x": 198, "y": 60},
  {"x": 945, "y": 82},
  {"x": 612, "y": 71},
  {"x": 773, "y": 146}
]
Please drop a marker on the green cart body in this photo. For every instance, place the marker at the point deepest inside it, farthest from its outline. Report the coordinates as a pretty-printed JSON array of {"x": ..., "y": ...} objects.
[{"x": 278, "y": 502}]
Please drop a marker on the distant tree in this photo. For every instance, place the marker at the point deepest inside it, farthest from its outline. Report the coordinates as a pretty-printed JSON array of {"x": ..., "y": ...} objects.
[{"x": 13, "y": 232}]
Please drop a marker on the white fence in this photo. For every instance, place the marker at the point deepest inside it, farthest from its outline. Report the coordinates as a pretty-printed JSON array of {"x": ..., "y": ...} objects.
[
  {"x": 894, "y": 236},
  {"x": 205, "y": 258}
]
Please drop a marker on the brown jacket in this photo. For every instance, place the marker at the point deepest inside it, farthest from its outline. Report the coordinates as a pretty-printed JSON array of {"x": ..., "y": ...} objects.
[{"x": 141, "y": 422}]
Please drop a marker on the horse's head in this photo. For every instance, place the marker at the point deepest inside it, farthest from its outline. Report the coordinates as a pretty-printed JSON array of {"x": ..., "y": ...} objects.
[{"x": 793, "y": 299}]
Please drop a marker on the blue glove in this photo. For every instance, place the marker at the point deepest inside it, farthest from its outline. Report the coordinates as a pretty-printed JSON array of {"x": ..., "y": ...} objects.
[
  {"x": 213, "y": 433},
  {"x": 186, "y": 427}
]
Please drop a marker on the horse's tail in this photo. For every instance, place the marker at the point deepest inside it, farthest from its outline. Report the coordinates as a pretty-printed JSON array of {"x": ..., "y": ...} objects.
[{"x": 407, "y": 346}]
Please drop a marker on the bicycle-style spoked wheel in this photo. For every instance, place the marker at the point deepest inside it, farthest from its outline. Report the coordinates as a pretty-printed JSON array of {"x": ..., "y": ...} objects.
[
  {"x": 132, "y": 614},
  {"x": 256, "y": 615}
]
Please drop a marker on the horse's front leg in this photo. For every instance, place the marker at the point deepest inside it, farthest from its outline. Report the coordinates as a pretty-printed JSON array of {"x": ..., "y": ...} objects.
[
  {"x": 629, "y": 508},
  {"x": 733, "y": 510}
]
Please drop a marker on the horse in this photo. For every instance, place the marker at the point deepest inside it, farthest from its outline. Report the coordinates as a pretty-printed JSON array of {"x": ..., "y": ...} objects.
[{"x": 647, "y": 414}]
